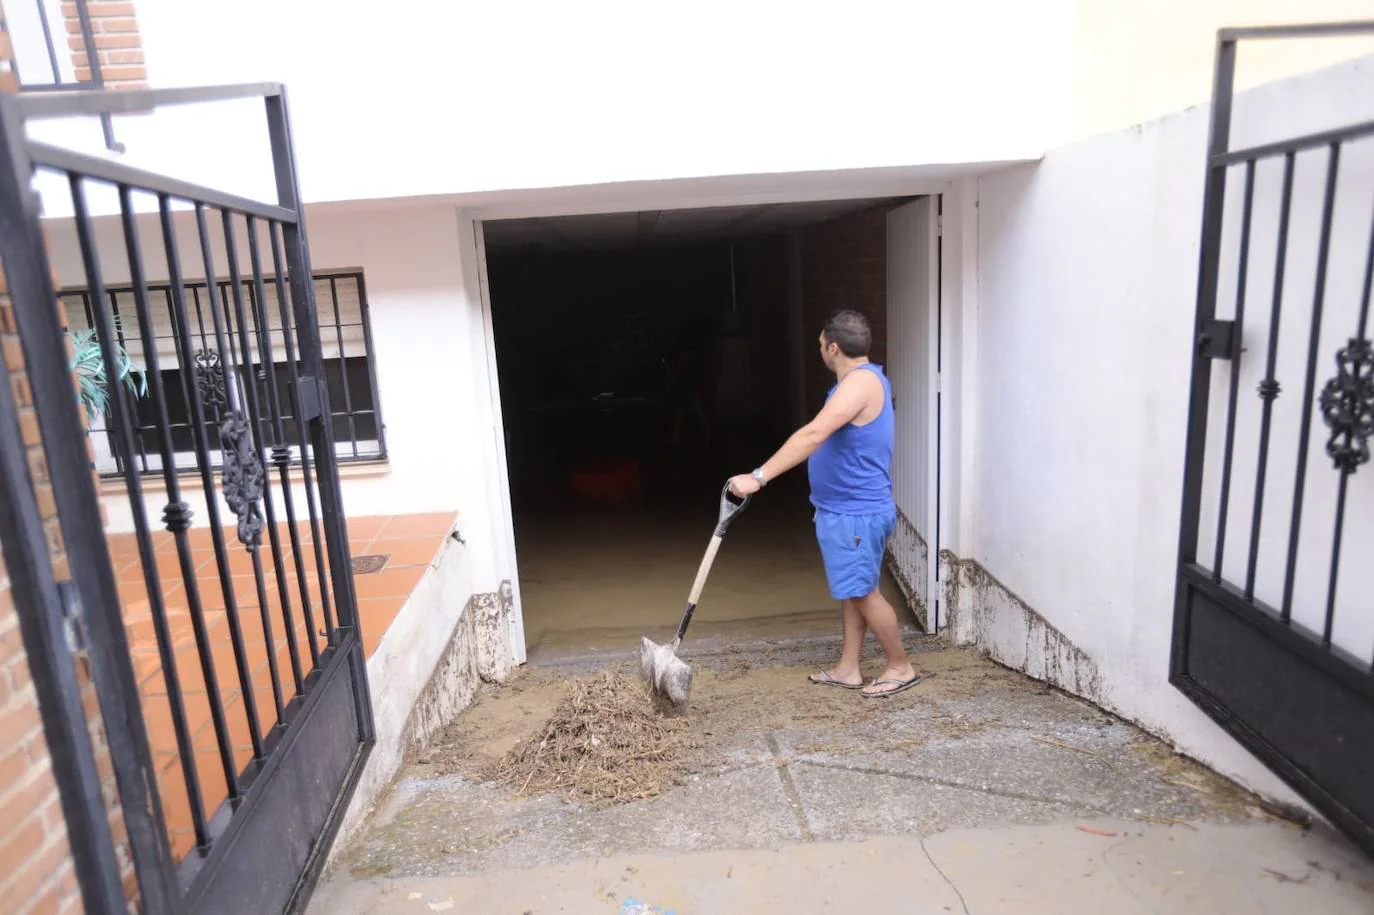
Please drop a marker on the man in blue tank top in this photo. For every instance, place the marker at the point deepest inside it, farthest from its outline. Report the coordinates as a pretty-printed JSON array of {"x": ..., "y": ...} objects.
[{"x": 848, "y": 454}]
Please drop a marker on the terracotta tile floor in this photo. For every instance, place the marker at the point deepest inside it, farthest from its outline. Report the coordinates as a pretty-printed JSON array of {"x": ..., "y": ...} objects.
[{"x": 410, "y": 544}]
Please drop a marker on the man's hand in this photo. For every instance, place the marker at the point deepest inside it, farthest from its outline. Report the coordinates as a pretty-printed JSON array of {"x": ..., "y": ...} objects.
[{"x": 744, "y": 485}]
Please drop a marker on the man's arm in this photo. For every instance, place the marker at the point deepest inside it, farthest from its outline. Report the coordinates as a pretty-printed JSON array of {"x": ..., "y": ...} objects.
[{"x": 843, "y": 407}]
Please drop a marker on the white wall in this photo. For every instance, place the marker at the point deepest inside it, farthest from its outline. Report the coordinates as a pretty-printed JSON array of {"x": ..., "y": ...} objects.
[
  {"x": 410, "y": 98},
  {"x": 407, "y": 98},
  {"x": 1085, "y": 302},
  {"x": 429, "y": 349},
  {"x": 464, "y": 98}
]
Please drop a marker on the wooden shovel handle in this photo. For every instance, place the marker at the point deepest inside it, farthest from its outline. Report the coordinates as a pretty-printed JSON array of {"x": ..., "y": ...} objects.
[{"x": 704, "y": 569}]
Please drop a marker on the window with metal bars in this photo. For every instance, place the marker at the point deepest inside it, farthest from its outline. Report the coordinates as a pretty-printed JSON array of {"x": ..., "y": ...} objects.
[{"x": 346, "y": 343}]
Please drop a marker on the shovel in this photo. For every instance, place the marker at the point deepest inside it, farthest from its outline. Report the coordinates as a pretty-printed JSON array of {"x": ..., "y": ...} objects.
[{"x": 669, "y": 676}]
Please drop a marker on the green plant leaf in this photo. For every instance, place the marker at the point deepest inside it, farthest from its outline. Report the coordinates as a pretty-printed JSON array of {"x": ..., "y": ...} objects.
[{"x": 89, "y": 366}]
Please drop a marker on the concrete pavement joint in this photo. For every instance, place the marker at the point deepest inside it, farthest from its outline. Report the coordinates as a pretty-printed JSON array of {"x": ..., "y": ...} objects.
[
  {"x": 789, "y": 788},
  {"x": 950, "y": 783},
  {"x": 931, "y": 858},
  {"x": 1107, "y": 863}
]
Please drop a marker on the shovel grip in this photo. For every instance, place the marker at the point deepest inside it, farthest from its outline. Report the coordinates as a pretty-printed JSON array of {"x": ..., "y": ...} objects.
[{"x": 682, "y": 626}]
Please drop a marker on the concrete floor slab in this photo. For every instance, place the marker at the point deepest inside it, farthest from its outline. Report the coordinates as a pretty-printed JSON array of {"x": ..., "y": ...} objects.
[
  {"x": 853, "y": 804},
  {"x": 447, "y": 825}
]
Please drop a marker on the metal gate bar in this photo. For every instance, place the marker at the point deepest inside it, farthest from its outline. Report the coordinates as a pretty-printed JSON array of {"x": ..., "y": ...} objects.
[{"x": 258, "y": 845}]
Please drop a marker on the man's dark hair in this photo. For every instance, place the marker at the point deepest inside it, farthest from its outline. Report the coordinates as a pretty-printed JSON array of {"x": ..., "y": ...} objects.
[{"x": 849, "y": 330}]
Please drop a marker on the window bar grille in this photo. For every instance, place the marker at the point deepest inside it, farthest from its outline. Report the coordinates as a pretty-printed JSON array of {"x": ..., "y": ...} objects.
[
  {"x": 123, "y": 390},
  {"x": 374, "y": 392},
  {"x": 343, "y": 367},
  {"x": 358, "y": 415}
]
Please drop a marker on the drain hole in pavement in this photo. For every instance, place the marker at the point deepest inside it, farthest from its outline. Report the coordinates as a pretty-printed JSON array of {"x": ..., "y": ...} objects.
[{"x": 366, "y": 565}]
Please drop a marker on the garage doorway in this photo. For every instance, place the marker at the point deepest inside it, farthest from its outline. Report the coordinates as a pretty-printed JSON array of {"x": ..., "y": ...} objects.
[{"x": 643, "y": 357}]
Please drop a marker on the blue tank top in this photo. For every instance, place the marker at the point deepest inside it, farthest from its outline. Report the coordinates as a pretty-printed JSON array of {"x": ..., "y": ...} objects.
[{"x": 851, "y": 472}]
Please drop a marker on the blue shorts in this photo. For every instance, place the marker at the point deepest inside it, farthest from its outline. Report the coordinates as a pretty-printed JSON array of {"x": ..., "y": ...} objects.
[{"x": 852, "y": 549}]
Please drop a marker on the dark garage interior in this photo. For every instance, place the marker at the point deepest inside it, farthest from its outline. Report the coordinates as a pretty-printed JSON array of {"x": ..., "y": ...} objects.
[{"x": 643, "y": 358}]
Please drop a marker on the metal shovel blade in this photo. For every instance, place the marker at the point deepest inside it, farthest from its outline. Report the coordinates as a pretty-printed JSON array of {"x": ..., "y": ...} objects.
[{"x": 669, "y": 676}]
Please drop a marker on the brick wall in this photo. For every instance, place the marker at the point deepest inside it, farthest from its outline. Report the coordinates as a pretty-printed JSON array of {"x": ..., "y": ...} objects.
[
  {"x": 118, "y": 45},
  {"x": 9, "y": 80},
  {"x": 844, "y": 265},
  {"x": 37, "y": 874}
]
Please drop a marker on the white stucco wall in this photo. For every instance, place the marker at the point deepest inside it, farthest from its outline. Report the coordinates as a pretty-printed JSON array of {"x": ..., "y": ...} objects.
[
  {"x": 1087, "y": 268},
  {"x": 407, "y": 98},
  {"x": 428, "y": 655}
]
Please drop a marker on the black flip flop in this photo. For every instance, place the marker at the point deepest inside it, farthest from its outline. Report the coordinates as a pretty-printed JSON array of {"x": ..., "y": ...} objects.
[
  {"x": 900, "y": 685},
  {"x": 827, "y": 680}
]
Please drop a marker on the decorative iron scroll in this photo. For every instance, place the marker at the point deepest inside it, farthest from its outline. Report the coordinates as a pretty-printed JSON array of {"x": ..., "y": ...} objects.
[
  {"x": 210, "y": 381},
  {"x": 243, "y": 478},
  {"x": 1347, "y": 403}
]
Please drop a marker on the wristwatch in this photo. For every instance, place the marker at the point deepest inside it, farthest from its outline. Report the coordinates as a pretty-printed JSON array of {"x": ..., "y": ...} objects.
[{"x": 758, "y": 475}]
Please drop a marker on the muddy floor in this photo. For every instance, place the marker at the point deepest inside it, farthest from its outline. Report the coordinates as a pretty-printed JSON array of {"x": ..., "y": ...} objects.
[
  {"x": 741, "y": 696},
  {"x": 592, "y": 582},
  {"x": 780, "y": 761}
]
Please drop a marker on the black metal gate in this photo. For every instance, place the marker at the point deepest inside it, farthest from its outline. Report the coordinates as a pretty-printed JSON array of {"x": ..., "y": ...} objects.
[
  {"x": 1274, "y": 618},
  {"x": 224, "y": 650}
]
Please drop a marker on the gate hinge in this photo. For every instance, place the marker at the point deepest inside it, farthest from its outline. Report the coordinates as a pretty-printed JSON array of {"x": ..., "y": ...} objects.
[
  {"x": 73, "y": 617},
  {"x": 311, "y": 397},
  {"x": 1217, "y": 339}
]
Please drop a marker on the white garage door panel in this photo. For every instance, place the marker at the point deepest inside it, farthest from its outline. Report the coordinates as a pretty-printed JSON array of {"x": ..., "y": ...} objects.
[{"x": 910, "y": 334}]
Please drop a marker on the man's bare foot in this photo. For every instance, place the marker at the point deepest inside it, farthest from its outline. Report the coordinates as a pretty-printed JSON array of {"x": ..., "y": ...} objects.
[
  {"x": 893, "y": 680},
  {"x": 846, "y": 679}
]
